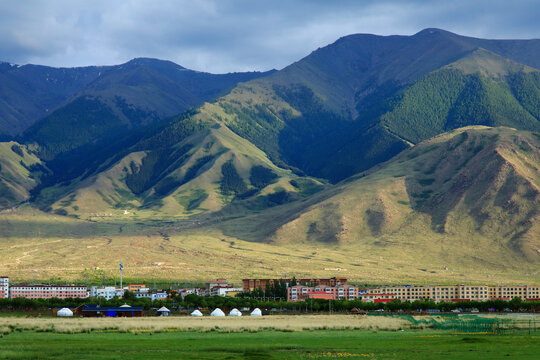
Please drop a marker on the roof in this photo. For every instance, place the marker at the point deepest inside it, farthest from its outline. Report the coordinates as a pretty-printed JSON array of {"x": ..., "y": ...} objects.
[
  {"x": 163, "y": 308},
  {"x": 98, "y": 308},
  {"x": 50, "y": 286}
]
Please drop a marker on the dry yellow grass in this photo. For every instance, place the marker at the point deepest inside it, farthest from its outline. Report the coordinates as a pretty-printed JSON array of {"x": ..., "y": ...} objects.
[
  {"x": 187, "y": 323},
  {"x": 41, "y": 247}
]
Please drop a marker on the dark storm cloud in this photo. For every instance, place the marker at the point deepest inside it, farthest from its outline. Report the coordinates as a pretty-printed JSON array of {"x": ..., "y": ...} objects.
[{"x": 221, "y": 35}]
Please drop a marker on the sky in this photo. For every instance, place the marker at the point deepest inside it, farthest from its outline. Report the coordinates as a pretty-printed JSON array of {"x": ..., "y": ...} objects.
[{"x": 234, "y": 35}]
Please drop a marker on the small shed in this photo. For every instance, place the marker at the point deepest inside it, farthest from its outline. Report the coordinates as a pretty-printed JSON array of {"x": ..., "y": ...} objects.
[
  {"x": 196, "y": 313},
  {"x": 256, "y": 312},
  {"x": 163, "y": 311},
  {"x": 64, "y": 312},
  {"x": 235, "y": 312},
  {"x": 217, "y": 312}
]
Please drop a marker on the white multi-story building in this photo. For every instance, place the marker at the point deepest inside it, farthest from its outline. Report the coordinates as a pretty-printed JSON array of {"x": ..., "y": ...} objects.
[
  {"x": 160, "y": 295},
  {"x": 4, "y": 287},
  {"x": 152, "y": 295},
  {"x": 107, "y": 292},
  {"x": 224, "y": 290},
  {"x": 195, "y": 291}
]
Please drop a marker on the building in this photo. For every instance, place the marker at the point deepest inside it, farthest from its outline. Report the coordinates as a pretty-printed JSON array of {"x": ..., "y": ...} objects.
[
  {"x": 451, "y": 293},
  {"x": 143, "y": 292},
  {"x": 4, "y": 287},
  {"x": 339, "y": 292},
  {"x": 48, "y": 291},
  {"x": 508, "y": 292},
  {"x": 194, "y": 291},
  {"x": 150, "y": 294},
  {"x": 107, "y": 292},
  {"x": 224, "y": 291},
  {"x": 159, "y": 295},
  {"x": 135, "y": 287},
  {"x": 252, "y": 284},
  {"x": 98, "y": 311},
  {"x": 217, "y": 282}
]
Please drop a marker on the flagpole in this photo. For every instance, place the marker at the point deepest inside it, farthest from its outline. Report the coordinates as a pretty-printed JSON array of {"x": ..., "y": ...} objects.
[{"x": 121, "y": 267}]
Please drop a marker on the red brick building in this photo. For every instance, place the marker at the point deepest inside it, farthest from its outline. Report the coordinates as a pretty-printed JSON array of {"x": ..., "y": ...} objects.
[
  {"x": 253, "y": 284},
  {"x": 339, "y": 292}
]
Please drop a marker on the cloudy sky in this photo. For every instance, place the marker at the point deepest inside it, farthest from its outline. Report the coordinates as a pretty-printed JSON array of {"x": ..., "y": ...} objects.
[{"x": 234, "y": 35}]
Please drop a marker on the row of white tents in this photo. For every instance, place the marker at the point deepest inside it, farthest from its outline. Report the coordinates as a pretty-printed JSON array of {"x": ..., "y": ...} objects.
[
  {"x": 233, "y": 312},
  {"x": 164, "y": 312}
]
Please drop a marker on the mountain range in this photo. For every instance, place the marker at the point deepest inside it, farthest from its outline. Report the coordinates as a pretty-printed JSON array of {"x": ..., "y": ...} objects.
[{"x": 379, "y": 143}]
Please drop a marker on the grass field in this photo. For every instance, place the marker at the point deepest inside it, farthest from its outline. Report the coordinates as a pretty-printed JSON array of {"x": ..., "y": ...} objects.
[
  {"x": 38, "y": 247},
  {"x": 268, "y": 344},
  {"x": 272, "y": 337}
]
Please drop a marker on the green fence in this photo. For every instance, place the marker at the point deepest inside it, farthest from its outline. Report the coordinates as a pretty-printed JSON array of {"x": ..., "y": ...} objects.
[{"x": 473, "y": 323}]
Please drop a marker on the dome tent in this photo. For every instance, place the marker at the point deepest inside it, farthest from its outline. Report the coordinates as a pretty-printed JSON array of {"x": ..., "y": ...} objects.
[
  {"x": 217, "y": 312},
  {"x": 64, "y": 312},
  {"x": 235, "y": 312},
  {"x": 256, "y": 312},
  {"x": 196, "y": 313},
  {"x": 163, "y": 311}
]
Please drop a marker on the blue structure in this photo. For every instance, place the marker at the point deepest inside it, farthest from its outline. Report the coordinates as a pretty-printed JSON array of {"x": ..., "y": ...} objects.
[{"x": 92, "y": 310}]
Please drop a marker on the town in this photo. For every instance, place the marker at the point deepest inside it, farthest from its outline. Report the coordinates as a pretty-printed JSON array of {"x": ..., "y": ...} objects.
[{"x": 295, "y": 290}]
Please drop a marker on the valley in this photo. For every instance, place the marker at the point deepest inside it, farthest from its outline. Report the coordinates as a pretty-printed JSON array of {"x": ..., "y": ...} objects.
[{"x": 385, "y": 159}]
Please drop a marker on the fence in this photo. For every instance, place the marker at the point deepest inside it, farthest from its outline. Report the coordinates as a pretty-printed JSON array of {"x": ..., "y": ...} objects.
[{"x": 475, "y": 324}]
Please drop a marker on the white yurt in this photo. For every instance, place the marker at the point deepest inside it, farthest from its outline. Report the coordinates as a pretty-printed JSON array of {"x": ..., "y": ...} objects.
[
  {"x": 217, "y": 312},
  {"x": 125, "y": 305},
  {"x": 163, "y": 311},
  {"x": 64, "y": 312},
  {"x": 256, "y": 312},
  {"x": 235, "y": 312},
  {"x": 196, "y": 313}
]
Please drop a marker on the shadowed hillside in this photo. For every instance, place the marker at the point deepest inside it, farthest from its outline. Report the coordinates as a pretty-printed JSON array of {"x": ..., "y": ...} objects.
[
  {"x": 363, "y": 99},
  {"x": 473, "y": 193}
]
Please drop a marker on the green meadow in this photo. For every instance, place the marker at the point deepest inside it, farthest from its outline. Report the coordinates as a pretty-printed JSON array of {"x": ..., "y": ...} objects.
[{"x": 317, "y": 344}]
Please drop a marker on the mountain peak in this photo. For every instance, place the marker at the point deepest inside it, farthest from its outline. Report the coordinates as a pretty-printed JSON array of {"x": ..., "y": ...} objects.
[
  {"x": 142, "y": 61},
  {"x": 433, "y": 32}
]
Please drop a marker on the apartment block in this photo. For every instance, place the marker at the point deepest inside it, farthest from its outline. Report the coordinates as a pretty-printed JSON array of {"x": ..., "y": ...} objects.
[
  {"x": 48, "y": 291},
  {"x": 4, "y": 287},
  {"x": 450, "y": 293},
  {"x": 508, "y": 292},
  {"x": 340, "y": 292}
]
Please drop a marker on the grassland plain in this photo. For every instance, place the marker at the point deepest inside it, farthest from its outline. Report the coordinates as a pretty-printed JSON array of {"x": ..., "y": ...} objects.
[
  {"x": 38, "y": 247},
  {"x": 289, "y": 337},
  {"x": 41, "y": 247}
]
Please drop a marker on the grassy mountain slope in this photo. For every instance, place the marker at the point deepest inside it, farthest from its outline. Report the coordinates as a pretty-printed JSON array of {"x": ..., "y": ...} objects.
[
  {"x": 479, "y": 89},
  {"x": 30, "y": 92},
  {"x": 190, "y": 166},
  {"x": 19, "y": 173},
  {"x": 360, "y": 101},
  {"x": 126, "y": 97},
  {"x": 461, "y": 207},
  {"x": 465, "y": 199}
]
